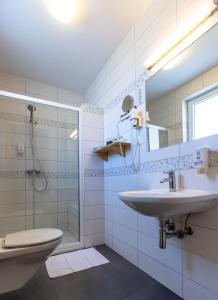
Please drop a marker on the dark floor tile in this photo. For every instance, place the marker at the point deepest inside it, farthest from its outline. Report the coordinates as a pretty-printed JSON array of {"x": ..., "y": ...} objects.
[
  {"x": 116, "y": 280},
  {"x": 154, "y": 293}
]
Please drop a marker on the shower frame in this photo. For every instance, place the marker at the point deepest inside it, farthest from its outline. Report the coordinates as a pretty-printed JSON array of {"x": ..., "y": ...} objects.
[{"x": 80, "y": 244}]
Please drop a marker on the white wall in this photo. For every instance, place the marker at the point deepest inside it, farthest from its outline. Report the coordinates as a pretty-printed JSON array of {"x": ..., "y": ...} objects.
[
  {"x": 12, "y": 83},
  {"x": 159, "y": 22},
  {"x": 189, "y": 268},
  {"x": 93, "y": 193}
]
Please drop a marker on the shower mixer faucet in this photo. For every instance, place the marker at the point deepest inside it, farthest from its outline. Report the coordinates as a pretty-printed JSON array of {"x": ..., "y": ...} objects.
[{"x": 33, "y": 171}]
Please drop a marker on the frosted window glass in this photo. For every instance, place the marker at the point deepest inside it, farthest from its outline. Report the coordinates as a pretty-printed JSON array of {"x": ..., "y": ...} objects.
[{"x": 205, "y": 119}]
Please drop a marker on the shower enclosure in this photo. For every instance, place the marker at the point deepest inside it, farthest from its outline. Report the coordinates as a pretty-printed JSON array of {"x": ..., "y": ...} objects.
[{"x": 39, "y": 168}]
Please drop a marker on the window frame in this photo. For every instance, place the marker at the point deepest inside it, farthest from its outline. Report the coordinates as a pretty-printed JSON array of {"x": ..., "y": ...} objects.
[{"x": 190, "y": 102}]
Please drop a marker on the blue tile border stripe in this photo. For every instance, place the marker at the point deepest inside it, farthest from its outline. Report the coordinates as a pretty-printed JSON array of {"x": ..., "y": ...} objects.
[{"x": 185, "y": 162}]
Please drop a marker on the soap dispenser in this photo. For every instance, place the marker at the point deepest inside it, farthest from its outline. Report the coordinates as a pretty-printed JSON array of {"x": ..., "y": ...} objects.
[{"x": 201, "y": 160}]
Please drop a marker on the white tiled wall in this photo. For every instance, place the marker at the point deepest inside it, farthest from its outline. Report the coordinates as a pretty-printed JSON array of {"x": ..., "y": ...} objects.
[
  {"x": 93, "y": 133},
  {"x": 188, "y": 268},
  {"x": 159, "y": 22},
  {"x": 28, "y": 87}
]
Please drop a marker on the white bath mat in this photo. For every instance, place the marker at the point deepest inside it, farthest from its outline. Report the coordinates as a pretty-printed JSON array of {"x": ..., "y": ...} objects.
[{"x": 63, "y": 264}]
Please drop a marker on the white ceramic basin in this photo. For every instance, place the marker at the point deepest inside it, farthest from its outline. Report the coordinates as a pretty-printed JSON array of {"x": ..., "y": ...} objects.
[{"x": 163, "y": 204}]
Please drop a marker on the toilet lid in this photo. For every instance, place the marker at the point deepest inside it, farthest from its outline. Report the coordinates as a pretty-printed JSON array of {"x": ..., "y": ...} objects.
[{"x": 31, "y": 237}]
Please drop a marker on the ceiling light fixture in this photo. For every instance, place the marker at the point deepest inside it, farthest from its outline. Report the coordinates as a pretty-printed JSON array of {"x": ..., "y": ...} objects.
[
  {"x": 189, "y": 32},
  {"x": 63, "y": 10}
]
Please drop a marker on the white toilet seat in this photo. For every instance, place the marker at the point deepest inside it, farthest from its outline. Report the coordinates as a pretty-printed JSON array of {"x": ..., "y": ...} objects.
[
  {"x": 33, "y": 237},
  {"x": 37, "y": 243}
]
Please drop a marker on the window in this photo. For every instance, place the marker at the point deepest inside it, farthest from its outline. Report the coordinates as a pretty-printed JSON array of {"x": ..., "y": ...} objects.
[{"x": 203, "y": 115}]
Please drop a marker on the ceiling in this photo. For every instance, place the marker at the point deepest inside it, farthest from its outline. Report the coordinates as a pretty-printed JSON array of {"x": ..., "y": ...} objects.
[
  {"x": 36, "y": 46},
  {"x": 190, "y": 66}
]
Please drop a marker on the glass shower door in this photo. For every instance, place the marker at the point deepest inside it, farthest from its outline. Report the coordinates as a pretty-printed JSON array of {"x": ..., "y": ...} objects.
[
  {"x": 52, "y": 169},
  {"x": 39, "y": 168},
  {"x": 13, "y": 214},
  {"x": 68, "y": 174}
]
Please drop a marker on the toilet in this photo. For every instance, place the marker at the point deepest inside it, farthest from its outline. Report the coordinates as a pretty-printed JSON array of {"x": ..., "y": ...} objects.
[{"x": 22, "y": 253}]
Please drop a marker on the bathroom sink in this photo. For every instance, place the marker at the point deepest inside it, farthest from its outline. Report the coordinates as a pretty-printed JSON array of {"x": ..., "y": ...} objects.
[{"x": 163, "y": 204}]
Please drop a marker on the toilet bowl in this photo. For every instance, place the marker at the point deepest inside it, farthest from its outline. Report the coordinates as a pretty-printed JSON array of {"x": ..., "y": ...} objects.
[{"x": 22, "y": 253}]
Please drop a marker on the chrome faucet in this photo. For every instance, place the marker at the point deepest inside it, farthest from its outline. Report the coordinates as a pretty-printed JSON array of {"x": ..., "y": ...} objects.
[{"x": 171, "y": 179}]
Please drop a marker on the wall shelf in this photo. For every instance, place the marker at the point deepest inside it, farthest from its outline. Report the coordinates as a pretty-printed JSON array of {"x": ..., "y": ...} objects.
[{"x": 116, "y": 147}]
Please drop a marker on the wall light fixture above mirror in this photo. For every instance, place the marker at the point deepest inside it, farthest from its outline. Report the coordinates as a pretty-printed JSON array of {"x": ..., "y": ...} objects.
[
  {"x": 182, "y": 97},
  {"x": 187, "y": 33}
]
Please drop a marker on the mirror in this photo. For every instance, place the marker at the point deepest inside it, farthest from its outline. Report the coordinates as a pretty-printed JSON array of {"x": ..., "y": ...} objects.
[
  {"x": 182, "y": 98},
  {"x": 127, "y": 104}
]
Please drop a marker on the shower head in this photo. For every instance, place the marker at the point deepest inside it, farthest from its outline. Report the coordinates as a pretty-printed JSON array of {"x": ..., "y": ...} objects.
[{"x": 31, "y": 108}]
